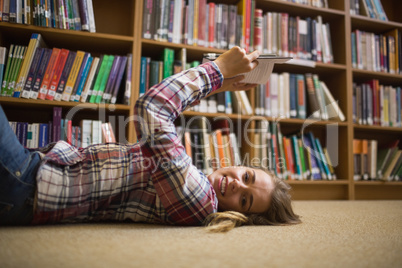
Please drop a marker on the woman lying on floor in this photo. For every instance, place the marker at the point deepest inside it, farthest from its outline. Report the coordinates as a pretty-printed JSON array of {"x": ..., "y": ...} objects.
[{"x": 150, "y": 181}]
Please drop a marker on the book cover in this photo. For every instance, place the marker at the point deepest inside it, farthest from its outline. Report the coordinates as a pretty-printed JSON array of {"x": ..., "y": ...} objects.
[
  {"x": 89, "y": 83},
  {"x": 320, "y": 97},
  {"x": 47, "y": 77},
  {"x": 92, "y": 24},
  {"x": 72, "y": 77},
  {"x": 64, "y": 75},
  {"x": 99, "y": 76},
  {"x": 261, "y": 73},
  {"x": 108, "y": 135},
  {"x": 86, "y": 132},
  {"x": 310, "y": 151}
]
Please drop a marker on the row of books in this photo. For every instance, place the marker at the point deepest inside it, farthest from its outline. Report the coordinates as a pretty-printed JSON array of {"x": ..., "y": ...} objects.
[
  {"x": 377, "y": 52},
  {"x": 370, "y": 8},
  {"x": 224, "y": 26},
  {"x": 153, "y": 70},
  {"x": 292, "y": 157},
  {"x": 62, "y": 14},
  {"x": 38, "y": 72},
  {"x": 372, "y": 162},
  {"x": 300, "y": 38},
  {"x": 286, "y": 95},
  {"x": 313, "y": 3},
  {"x": 375, "y": 104},
  {"x": 289, "y": 95},
  {"x": 297, "y": 157},
  {"x": 38, "y": 135}
]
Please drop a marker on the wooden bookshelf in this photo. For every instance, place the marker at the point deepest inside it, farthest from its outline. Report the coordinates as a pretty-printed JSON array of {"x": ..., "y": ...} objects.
[{"x": 119, "y": 31}]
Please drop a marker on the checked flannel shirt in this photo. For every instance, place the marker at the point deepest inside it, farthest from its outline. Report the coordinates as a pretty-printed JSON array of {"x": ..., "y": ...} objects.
[{"x": 150, "y": 181}]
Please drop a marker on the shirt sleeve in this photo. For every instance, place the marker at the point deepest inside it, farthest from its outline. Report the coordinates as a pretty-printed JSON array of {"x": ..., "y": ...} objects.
[{"x": 185, "y": 192}]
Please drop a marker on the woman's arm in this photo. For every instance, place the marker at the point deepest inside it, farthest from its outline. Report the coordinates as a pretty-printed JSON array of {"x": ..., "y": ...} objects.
[{"x": 184, "y": 191}]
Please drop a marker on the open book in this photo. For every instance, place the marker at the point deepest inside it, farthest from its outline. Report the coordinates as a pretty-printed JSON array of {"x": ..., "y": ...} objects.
[{"x": 259, "y": 75}]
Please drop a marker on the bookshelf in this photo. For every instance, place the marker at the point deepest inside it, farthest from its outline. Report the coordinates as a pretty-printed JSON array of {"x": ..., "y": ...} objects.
[{"x": 121, "y": 33}]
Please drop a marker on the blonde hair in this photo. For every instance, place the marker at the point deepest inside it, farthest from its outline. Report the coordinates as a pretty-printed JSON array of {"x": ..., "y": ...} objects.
[{"x": 280, "y": 212}]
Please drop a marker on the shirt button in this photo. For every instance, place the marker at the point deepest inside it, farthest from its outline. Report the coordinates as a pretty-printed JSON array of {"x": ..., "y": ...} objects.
[{"x": 17, "y": 173}]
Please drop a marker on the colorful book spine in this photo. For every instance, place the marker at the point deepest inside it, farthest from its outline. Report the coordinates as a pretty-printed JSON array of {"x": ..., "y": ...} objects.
[
  {"x": 119, "y": 79},
  {"x": 64, "y": 75},
  {"x": 59, "y": 66},
  {"x": 73, "y": 76},
  {"x": 101, "y": 71},
  {"x": 83, "y": 79},
  {"x": 30, "y": 80},
  {"x": 107, "y": 95},
  {"x": 90, "y": 79},
  {"x": 80, "y": 76},
  {"x": 6, "y": 76},
  {"x": 49, "y": 73},
  {"x": 104, "y": 79},
  {"x": 3, "y": 55},
  {"x": 40, "y": 73},
  {"x": 19, "y": 57},
  {"x": 35, "y": 42}
]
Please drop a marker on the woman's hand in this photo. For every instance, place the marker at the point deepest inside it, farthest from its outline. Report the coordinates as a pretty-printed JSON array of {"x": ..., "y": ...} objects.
[{"x": 235, "y": 61}]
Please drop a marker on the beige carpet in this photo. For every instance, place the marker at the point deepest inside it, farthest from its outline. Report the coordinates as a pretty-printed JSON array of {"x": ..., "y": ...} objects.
[{"x": 333, "y": 234}]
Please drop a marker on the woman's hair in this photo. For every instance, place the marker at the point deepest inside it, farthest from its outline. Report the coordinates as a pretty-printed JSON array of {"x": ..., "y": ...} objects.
[{"x": 280, "y": 212}]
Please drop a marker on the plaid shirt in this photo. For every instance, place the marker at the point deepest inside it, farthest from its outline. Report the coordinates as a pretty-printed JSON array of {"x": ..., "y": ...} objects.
[{"x": 150, "y": 181}]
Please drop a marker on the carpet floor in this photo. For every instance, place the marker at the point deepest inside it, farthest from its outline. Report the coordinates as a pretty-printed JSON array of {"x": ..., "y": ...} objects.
[{"x": 333, "y": 234}]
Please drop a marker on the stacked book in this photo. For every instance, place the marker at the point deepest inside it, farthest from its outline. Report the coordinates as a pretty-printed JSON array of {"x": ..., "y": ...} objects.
[
  {"x": 62, "y": 14},
  {"x": 38, "y": 72}
]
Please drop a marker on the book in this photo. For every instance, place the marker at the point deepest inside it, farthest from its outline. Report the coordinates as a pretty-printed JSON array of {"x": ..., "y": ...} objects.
[
  {"x": 64, "y": 75},
  {"x": 105, "y": 77},
  {"x": 108, "y": 135},
  {"x": 333, "y": 109},
  {"x": 81, "y": 76},
  {"x": 55, "y": 79},
  {"x": 82, "y": 81},
  {"x": 107, "y": 95},
  {"x": 117, "y": 85},
  {"x": 261, "y": 73},
  {"x": 72, "y": 77},
  {"x": 35, "y": 42},
  {"x": 89, "y": 80},
  {"x": 10, "y": 59},
  {"x": 99, "y": 76},
  {"x": 314, "y": 106},
  {"x": 47, "y": 76},
  {"x": 47, "y": 52},
  {"x": 18, "y": 59},
  {"x": 3, "y": 56}
]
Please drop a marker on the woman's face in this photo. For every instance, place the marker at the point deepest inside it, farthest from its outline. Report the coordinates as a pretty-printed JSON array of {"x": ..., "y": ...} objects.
[{"x": 242, "y": 189}]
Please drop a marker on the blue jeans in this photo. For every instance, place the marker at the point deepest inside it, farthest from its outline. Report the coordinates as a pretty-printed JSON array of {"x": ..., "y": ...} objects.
[{"x": 18, "y": 168}]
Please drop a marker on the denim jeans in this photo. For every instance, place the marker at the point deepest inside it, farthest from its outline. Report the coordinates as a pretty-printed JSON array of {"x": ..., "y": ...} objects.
[{"x": 18, "y": 168}]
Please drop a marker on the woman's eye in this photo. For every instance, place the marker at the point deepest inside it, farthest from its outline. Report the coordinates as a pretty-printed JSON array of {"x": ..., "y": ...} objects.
[
  {"x": 243, "y": 201},
  {"x": 246, "y": 177}
]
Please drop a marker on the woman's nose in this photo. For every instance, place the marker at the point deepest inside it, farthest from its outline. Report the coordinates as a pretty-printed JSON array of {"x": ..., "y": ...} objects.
[{"x": 236, "y": 185}]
